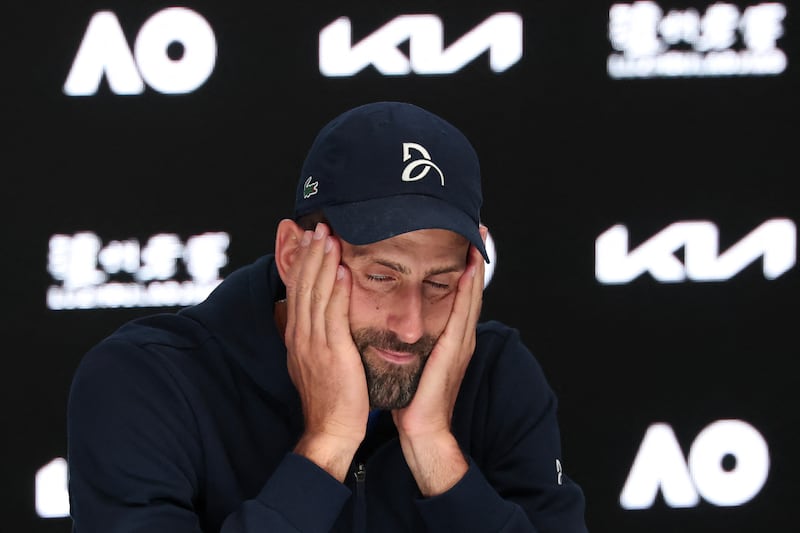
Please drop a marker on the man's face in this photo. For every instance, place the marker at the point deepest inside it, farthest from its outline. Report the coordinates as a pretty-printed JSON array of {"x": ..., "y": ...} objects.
[{"x": 402, "y": 295}]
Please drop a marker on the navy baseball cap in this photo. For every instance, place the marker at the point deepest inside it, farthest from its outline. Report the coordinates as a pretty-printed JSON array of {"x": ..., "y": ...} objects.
[{"x": 386, "y": 168}]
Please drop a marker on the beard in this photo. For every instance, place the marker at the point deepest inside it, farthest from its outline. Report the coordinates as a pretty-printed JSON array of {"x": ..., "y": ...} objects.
[{"x": 390, "y": 385}]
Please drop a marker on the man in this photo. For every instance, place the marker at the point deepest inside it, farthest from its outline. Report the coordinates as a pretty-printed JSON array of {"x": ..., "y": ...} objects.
[{"x": 340, "y": 384}]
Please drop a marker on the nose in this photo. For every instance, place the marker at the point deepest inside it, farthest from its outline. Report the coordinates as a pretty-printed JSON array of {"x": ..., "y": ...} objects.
[{"x": 406, "y": 319}]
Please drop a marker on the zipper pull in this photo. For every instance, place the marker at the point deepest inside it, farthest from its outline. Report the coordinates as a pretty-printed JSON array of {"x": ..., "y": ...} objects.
[
  {"x": 360, "y": 473},
  {"x": 360, "y": 505}
]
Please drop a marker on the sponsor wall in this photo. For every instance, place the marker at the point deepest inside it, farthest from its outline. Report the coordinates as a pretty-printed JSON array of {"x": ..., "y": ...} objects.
[{"x": 639, "y": 181}]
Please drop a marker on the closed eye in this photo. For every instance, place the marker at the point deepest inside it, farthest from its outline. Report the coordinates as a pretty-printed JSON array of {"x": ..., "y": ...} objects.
[
  {"x": 437, "y": 285},
  {"x": 378, "y": 277}
]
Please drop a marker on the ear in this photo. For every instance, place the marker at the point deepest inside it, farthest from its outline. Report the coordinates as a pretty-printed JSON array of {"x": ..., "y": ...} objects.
[
  {"x": 484, "y": 231},
  {"x": 287, "y": 241}
]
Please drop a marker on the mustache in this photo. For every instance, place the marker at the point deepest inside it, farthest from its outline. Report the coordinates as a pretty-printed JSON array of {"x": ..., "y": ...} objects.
[{"x": 387, "y": 340}]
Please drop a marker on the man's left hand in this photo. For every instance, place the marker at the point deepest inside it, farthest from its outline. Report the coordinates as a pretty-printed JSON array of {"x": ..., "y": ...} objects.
[{"x": 430, "y": 449}]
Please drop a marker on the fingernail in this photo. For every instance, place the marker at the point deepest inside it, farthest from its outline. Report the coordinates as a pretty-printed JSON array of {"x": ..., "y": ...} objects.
[
  {"x": 340, "y": 272},
  {"x": 472, "y": 271},
  {"x": 328, "y": 244},
  {"x": 306, "y": 239},
  {"x": 319, "y": 232}
]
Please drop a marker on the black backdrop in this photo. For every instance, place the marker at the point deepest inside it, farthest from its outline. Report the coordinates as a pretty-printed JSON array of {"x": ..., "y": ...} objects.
[{"x": 567, "y": 152}]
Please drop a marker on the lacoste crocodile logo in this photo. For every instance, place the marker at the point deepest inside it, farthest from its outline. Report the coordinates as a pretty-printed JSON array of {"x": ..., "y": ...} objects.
[{"x": 309, "y": 188}]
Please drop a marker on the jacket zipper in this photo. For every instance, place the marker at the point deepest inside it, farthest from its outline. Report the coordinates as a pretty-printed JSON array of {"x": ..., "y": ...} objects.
[{"x": 360, "y": 510}]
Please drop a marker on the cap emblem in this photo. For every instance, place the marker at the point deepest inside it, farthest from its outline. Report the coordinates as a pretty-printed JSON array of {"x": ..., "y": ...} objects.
[
  {"x": 309, "y": 188},
  {"x": 425, "y": 162}
]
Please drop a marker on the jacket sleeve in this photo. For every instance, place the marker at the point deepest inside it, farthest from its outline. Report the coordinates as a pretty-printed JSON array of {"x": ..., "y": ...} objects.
[
  {"x": 135, "y": 458},
  {"x": 299, "y": 496},
  {"x": 515, "y": 482}
]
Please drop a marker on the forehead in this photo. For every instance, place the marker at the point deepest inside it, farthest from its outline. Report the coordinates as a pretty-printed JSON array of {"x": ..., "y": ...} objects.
[{"x": 421, "y": 246}]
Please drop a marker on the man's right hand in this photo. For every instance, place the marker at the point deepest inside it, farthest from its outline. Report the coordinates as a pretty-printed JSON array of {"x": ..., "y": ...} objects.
[{"x": 323, "y": 361}]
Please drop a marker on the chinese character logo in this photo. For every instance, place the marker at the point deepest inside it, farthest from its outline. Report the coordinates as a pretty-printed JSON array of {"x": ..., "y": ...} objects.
[
  {"x": 123, "y": 273},
  {"x": 722, "y": 41}
]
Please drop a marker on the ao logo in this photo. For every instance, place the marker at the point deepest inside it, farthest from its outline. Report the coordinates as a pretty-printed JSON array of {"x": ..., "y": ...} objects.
[
  {"x": 104, "y": 51},
  {"x": 500, "y": 34},
  {"x": 728, "y": 465}
]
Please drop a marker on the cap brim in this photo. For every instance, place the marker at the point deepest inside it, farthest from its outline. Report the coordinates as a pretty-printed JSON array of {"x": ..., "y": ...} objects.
[{"x": 374, "y": 220}]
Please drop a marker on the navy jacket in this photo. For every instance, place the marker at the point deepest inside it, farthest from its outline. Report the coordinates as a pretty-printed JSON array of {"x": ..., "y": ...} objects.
[{"x": 185, "y": 422}]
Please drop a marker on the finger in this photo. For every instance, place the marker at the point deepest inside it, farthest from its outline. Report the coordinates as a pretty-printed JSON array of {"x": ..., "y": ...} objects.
[
  {"x": 310, "y": 263},
  {"x": 323, "y": 287},
  {"x": 470, "y": 286},
  {"x": 337, "y": 314},
  {"x": 294, "y": 276},
  {"x": 476, "y": 301}
]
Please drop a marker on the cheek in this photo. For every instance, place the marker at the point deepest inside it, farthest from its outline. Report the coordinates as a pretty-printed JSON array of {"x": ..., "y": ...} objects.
[{"x": 366, "y": 309}]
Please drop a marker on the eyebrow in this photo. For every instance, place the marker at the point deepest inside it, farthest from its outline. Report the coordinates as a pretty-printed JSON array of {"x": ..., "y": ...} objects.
[{"x": 402, "y": 269}]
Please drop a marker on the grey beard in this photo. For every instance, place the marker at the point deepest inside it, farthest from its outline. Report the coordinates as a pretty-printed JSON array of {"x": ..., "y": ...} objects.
[{"x": 391, "y": 386}]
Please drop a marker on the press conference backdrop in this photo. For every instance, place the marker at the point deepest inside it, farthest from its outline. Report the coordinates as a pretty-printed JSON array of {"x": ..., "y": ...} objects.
[{"x": 639, "y": 162}]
